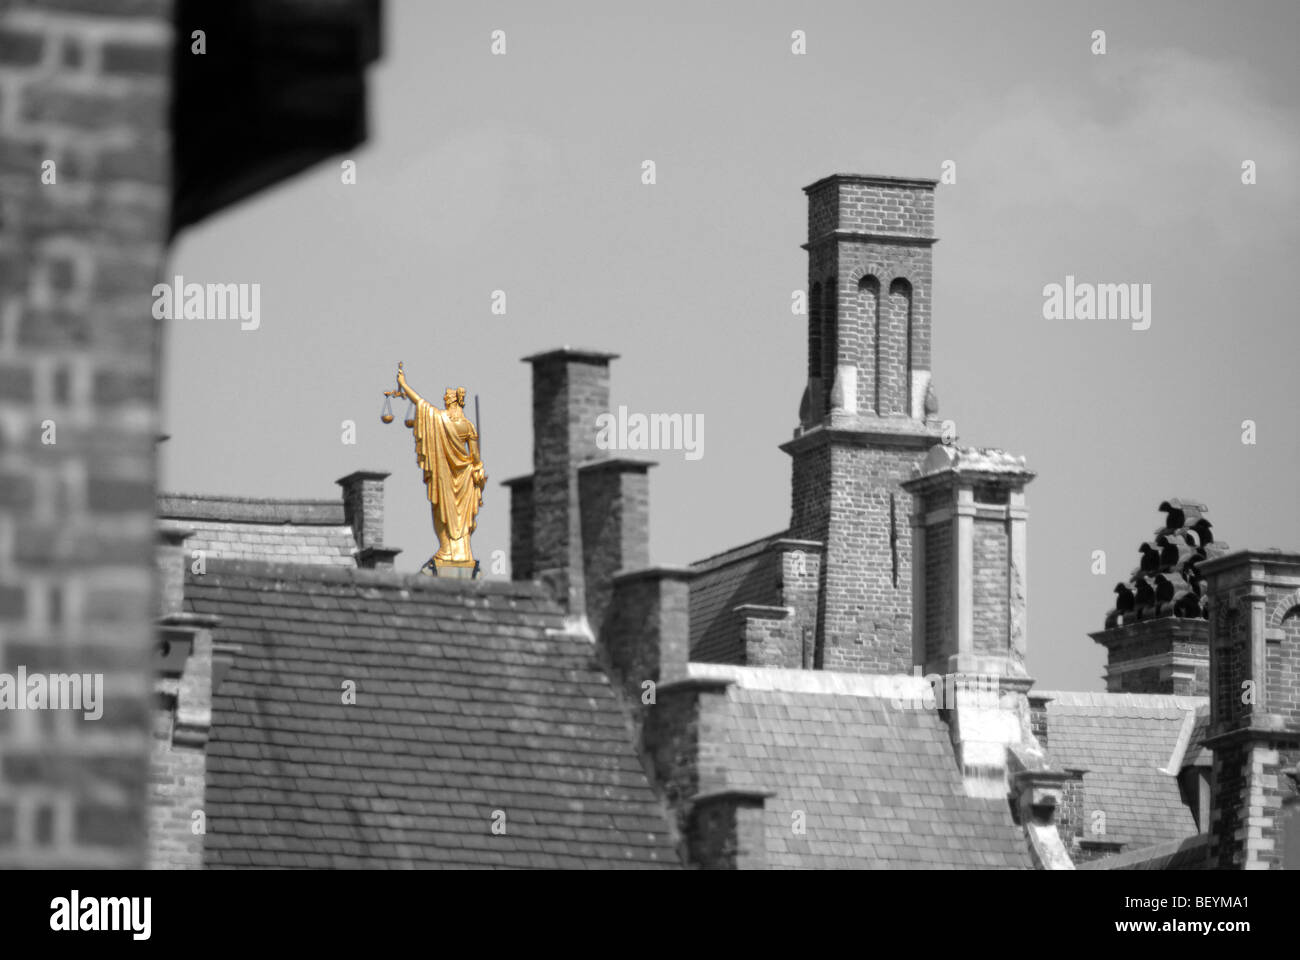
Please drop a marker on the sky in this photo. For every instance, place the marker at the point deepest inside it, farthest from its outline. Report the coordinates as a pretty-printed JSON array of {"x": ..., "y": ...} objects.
[{"x": 522, "y": 173}]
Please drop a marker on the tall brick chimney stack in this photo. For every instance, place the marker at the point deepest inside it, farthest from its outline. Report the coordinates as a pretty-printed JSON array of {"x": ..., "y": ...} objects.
[
  {"x": 1254, "y": 627},
  {"x": 581, "y": 516},
  {"x": 868, "y": 413}
]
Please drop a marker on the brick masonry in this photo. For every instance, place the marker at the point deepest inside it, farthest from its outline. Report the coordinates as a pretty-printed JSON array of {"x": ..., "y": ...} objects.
[
  {"x": 939, "y": 573},
  {"x": 1254, "y": 705},
  {"x": 278, "y": 543},
  {"x": 869, "y": 282},
  {"x": 181, "y": 728},
  {"x": 1156, "y": 637},
  {"x": 363, "y": 506},
  {"x": 570, "y": 390},
  {"x": 614, "y": 505},
  {"x": 991, "y": 585},
  {"x": 1162, "y": 645},
  {"x": 746, "y": 574},
  {"x": 85, "y": 89},
  {"x": 841, "y": 496},
  {"x": 863, "y": 425},
  {"x": 644, "y": 641},
  {"x": 521, "y": 527}
]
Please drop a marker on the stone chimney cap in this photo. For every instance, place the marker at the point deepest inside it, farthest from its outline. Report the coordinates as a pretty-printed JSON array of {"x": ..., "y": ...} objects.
[
  {"x": 875, "y": 179},
  {"x": 575, "y": 354},
  {"x": 358, "y": 475},
  {"x": 944, "y": 458}
]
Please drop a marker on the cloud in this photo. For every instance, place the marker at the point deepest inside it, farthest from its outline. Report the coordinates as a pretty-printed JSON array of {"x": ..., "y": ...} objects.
[{"x": 1143, "y": 141}]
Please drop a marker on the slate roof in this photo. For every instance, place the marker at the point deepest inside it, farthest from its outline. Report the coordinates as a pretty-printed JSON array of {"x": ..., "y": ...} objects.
[
  {"x": 743, "y": 574},
  {"x": 1126, "y": 741},
  {"x": 275, "y": 531},
  {"x": 466, "y": 703},
  {"x": 879, "y": 786}
]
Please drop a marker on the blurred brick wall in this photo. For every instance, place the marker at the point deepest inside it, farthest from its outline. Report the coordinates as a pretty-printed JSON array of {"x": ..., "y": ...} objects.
[{"x": 85, "y": 84}]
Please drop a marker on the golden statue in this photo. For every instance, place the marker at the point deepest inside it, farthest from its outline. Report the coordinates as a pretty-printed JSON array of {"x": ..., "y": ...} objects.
[{"x": 446, "y": 448}]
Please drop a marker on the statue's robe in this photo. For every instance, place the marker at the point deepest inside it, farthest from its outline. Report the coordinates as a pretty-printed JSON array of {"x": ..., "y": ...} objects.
[{"x": 441, "y": 451}]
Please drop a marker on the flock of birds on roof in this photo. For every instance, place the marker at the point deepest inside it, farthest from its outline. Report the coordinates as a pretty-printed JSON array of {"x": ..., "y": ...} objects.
[{"x": 1166, "y": 581}]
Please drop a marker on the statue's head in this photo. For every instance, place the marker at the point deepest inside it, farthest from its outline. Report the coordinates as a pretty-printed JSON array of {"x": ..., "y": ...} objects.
[{"x": 454, "y": 395}]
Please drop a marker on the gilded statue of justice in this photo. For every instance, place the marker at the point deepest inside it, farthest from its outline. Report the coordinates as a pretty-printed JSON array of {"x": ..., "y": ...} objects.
[{"x": 446, "y": 449}]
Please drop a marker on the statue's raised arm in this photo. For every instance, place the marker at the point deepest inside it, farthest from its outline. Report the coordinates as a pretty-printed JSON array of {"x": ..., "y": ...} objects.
[{"x": 405, "y": 389}]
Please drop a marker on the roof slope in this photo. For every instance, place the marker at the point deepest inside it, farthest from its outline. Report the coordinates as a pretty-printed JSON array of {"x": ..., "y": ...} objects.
[
  {"x": 879, "y": 785},
  {"x": 1126, "y": 741},
  {"x": 266, "y": 529},
  {"x": 743, "y": 574},
  {"x": 464, "y": 706}
]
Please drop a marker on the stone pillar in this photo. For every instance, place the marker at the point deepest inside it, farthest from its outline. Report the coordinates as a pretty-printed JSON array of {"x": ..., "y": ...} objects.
[
  {"x": 969, "y": 589},
  {"x": 963, "y": 584},
  {"x": 1017, "y": 575}
]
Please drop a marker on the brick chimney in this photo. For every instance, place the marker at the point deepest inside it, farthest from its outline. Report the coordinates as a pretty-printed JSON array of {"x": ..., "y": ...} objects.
[
  {"x": 363, "y": 510},
  {"x": 868, "y": 412},
  {"x": 1254, "y": 630},
  {"x": 969, "y": 585},
  {"x": 614, "y": 517},
  {"x": 1156, "y": 636},
  {"x": 582, "y": 515}
]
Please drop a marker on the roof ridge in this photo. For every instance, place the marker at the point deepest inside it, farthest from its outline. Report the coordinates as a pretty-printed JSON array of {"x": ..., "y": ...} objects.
[
  {"x": 830, "y": 682},
  {"x": 232, "y": 498},
  {"x": 276, "y": 570},
  {"x": 1148, "y": 701},
  {"x": 735, "y": 553},
  {"x": 250, "y": 510}
]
